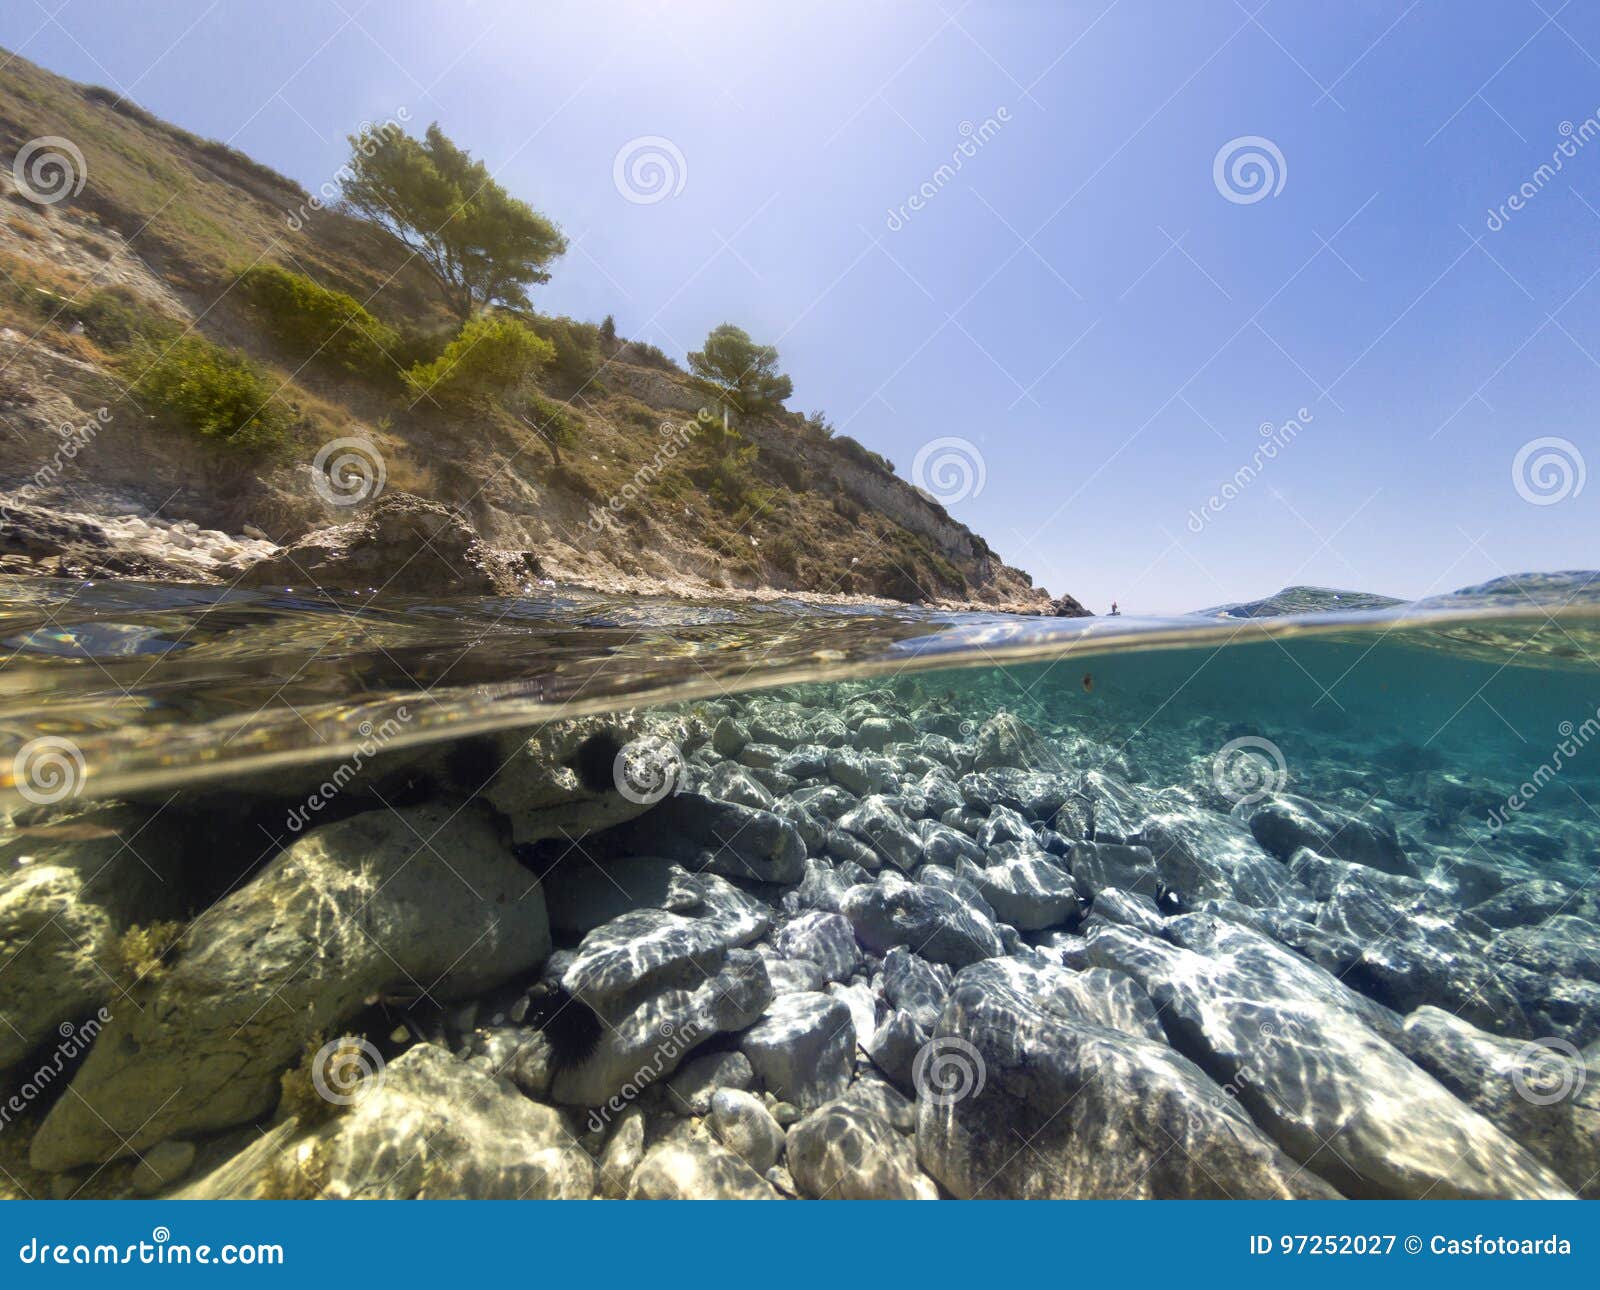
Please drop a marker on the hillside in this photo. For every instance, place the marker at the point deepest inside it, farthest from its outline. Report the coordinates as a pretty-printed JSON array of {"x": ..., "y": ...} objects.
[
  {"x": 1302, "y": 600},
  {"x": 161, "y": 265}
]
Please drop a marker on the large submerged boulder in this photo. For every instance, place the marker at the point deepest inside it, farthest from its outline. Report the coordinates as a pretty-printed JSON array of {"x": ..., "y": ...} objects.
[
  {"x": 1308, "y": 1058},
  {"x": 425, "y": 900},
  {"x": 1038, "y": 1089},
  {"x": 68, "y": 889},
  {"x": 428, "y": 1127}
]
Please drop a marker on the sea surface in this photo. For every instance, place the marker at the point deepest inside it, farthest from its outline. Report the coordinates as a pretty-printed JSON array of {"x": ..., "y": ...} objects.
[{"x": 157, "y": 686}]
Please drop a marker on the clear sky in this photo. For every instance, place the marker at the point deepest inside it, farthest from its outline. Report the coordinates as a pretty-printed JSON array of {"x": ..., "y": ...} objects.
[{"x": 1080, "y": 299}]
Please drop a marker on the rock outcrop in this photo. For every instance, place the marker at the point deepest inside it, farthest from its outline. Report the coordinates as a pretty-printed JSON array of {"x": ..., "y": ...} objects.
[{"x": 401, "y": 544}]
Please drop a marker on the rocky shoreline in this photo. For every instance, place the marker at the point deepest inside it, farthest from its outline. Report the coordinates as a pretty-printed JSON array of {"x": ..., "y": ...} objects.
[
  {"x": 835, "y": 941},
  {"x": 401, "y": 544}
]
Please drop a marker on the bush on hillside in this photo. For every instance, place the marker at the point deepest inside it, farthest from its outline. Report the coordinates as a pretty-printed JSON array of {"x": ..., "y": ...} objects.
[
  {"x": 489, "y": 357},
  {"x": 317, "y": 323},
  {"x": 116, "y": 318},
  {"x": 861, "y": 454},
  {"x": 556, "y": 425},
  {"x": 577, "y": 347},
  {"x": 216, "y": 392}
]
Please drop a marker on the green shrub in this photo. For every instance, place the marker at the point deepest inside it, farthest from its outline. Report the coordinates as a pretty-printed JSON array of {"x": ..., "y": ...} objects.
[
  {"x": 314, "y": 322},
  {"x": 215, "y": 392},
  {"x": 782, "y": 552},
  {"x": 817, "y": 428},
  {"x": 116, "y": 318},
  {"x": 577, "y": 347},
  {"x": 556, "y": 425},
  {"x": 642, "y": 353},
  {"x": 489, "y": 357},
  {"x": 861, "y": 454}
]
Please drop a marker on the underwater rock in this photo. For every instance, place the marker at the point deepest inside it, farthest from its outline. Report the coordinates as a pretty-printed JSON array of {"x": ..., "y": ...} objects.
[
  {"x": 729, "y": 737},
  {"x": 1113, "y": 905},
  {"x": 937, "y": 924},
  {"x": 913, "y": 984},
  {"x": 1405, "y": 949},
  {"x": 825, "y": 939},
  {"x": 430, "y": 1127},
  {"x": 742, "y": 1123},
  {"x": 1035, "y": 1102},
  {"x": 690, "y": 1090},
  {"x": 1097, "y": 865},
  {"x": 1299, "y": 1052},
  {"x": 425, "y": 898},
  {"x": 803, "y": 1049},
  {"x": 1284, "y": 823},
  {"x": 894, "y": 1045},
  {"x": 161, "y": 1166},
  {"x": 68, "y": 889},
  {"x": 1205, "y": 856},
  {"x": 841, "y": 1151},
  {"x": 858, "y": 996},
  {"x": 945, "y": 847},
  {"x": 402, "y": 544},
  {"x": 822, "y": 888},
  {"x": 662, "y": 984},
  {"x": 704, "y": 834},
  {"x": 563, "y": 781},
  {"x": 696, "y": 1168},
  {"x": 877, "y": 823},
  {"x": 1563, "y": 945},
  {"x": 1532, "y": 901},
  {"x": 1545, "y": 1096},
  {"x": 1115, "y": 811},
  {"x": 1007, "y": 740},
  {"x": 1025, "y": 889},
  {"x": 732, "y": 783},
  {"x": 623, "y": 1151}
]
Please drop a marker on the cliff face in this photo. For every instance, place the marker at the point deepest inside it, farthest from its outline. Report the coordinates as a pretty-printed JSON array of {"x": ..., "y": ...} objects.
[{"x": 642, "y": 498}]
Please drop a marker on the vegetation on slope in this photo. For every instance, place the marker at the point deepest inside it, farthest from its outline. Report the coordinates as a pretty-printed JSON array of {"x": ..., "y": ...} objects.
[{"x": 238, "y": 323}]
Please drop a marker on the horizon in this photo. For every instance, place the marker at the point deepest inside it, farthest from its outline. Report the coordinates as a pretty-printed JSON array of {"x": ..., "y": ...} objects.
[{"x": 1152, "y": 245}]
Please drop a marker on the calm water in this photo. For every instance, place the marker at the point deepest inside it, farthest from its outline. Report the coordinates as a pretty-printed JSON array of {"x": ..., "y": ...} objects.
[{"x": 157, "y": 686}]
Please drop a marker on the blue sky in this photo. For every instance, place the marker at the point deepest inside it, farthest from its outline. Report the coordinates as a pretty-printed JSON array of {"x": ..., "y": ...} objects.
[{"x": 1080, "y": 301}]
